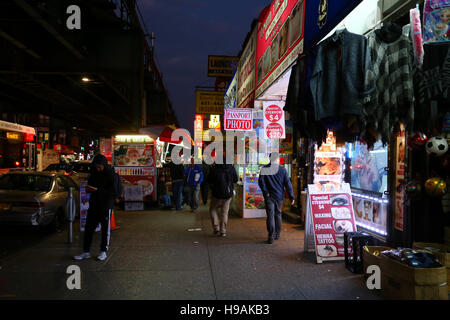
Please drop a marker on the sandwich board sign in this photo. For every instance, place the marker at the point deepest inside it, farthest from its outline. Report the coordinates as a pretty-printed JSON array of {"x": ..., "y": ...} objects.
[{"x": 329, "y": 213}]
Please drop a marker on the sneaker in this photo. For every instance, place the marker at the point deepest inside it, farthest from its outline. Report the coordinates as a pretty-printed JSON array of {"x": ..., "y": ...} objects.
[
  {"x": 222, "y": 234},
  {"x": 216, "y": 232},
  {"x": 84, "y": 255},
  {"x": 276, "y": 237},
  {"x": 270, "y": 241},
  {"x": 102, "y": 256}
]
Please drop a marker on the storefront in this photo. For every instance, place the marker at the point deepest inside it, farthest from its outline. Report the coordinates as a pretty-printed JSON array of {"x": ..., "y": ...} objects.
[{"x": 395, "y": 148}]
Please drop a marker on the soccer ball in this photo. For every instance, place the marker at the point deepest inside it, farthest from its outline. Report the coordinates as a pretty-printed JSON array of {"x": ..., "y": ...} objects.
[{"x": 437, "y": 146}]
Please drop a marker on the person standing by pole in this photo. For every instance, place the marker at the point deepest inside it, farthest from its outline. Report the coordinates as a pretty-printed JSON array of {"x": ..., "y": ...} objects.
[
  {"x": 101, "y": 186},
  {"x": 194, "y": 177},
  {"x": 272, "y": 181}
]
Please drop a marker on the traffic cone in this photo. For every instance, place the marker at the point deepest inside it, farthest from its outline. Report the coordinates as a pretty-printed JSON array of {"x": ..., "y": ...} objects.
[{"x": 113, "y": 222}]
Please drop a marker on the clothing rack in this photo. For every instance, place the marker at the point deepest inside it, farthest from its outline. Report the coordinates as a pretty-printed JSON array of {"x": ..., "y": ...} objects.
[{"x": 388, "y": 16}]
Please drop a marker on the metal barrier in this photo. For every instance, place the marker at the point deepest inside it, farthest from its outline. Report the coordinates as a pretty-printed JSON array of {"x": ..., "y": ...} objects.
[{"x": 71, "y": 208}]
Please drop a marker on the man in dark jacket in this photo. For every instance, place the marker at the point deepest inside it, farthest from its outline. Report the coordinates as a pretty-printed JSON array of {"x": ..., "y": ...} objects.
[
  {"x": 273, "y": 179},
  {"x": 177, "y": 175},
  {"x": 101, "y": 187},
  {"x": 221, "y": 178}
]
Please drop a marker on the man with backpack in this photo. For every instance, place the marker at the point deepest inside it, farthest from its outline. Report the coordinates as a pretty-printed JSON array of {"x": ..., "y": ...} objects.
[
  {"x": 102, "y": 185},
  {"x": 221, "y": 178}
]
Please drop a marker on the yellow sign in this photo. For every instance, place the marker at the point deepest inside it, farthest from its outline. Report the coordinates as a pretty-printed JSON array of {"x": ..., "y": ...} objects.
[
  {"x": 214, "y": 121},
  {"x": 209, "y": 102},
  {"x": 222, "y": 66},
  {"x": 13, "y": 136}
]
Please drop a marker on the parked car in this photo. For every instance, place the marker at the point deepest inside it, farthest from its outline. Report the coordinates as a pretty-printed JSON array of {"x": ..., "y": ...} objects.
[
  {"x": 80, "y": 171},
  {"x": 36, "y": 198},
  {"x": 59, "y": 168}
]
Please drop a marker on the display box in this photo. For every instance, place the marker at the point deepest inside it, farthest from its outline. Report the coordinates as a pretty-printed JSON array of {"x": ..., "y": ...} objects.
[
  {"x": 400, "y": 281},
  {"x": 443, "y": 254}
]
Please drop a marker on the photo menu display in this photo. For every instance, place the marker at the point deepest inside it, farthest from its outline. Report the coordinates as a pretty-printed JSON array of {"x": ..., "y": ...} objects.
[{"x": 332, "y": 215}]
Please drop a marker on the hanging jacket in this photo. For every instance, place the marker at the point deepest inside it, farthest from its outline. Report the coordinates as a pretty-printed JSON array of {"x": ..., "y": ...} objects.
[{"x": 338, "y": 83}]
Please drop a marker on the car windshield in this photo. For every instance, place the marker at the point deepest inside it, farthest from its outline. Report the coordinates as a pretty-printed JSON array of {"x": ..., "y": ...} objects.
[
  {"x": 81, "y": 167},
  {"x": 57, "y": 167},
  {"x": 26, "y": 182}
]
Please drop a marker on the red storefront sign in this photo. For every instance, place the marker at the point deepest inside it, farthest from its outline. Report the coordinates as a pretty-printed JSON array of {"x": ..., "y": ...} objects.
[
  {"x": 279, "y": 40},
  {"x": 239, "y": 119},
  {"x": 274, "y": 124},
  {"x": 332, "y": 215}
]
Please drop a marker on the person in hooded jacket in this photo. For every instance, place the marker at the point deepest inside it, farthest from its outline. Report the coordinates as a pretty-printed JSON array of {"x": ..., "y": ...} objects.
[
  {"x": 101, "y": 186},
  {"x": 221, "y": 178}
]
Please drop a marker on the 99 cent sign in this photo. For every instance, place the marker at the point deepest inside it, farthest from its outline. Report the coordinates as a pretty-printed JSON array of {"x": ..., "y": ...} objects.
[{"x": 274, "y": 126}]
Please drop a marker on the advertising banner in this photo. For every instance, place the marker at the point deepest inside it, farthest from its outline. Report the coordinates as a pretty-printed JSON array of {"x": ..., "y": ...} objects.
[
  {"x": 254, "y": 198},
  {"x": 246, "y": 74},
  {"x": 222, "y": 66},
  {"x": 231, "y": 93},
  {"x": 84, "y": 204},
  {"x": 330, "y": 214},
  {"x": 274, "y": 124},
  {"x": 279, "y": 40},
  {"x": 287, "y": 144},
  {"x": 142, "y": 187},
  {"x": 399, "y": 181},
  {"x": 239, "y": 119},
  {"x": 209, "y": 102}
]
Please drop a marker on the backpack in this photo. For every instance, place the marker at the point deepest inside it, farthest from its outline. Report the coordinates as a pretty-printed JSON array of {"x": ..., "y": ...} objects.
[
  {"x": 223, "y": 185},
  {"x": 117, "y": 186}
]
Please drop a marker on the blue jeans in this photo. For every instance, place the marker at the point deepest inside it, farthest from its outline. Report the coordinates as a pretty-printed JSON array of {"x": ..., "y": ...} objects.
[
  {"x": 273, "y": 210},
  {"x": 193, "y": 196},
  {"x": 166, "y": 200},
  {"x": 177, "y": 189}
]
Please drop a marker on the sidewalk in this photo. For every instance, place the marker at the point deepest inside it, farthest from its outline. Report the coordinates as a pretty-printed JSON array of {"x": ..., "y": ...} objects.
[{"x": 154, "y": 256}]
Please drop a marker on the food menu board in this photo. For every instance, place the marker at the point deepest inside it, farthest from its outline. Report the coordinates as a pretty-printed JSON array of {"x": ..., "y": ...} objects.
[
  {"x": 331, "y": 215},
  {"x": 253, "y": 195},
  {"x": 134, "y": 154}
]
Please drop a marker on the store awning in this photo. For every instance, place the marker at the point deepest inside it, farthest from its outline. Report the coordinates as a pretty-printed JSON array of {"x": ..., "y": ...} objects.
[
  {"x": 164, "y": 133},
  {"x": 9, "y": 126},
  {"x": 330, "y": 14}
]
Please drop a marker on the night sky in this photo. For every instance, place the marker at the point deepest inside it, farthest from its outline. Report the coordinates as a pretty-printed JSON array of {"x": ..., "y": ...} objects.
[{"x": 186, "y": 32}]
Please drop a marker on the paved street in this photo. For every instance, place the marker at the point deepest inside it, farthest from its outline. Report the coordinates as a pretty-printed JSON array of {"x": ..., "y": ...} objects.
[{"x": 154, "y": 256}]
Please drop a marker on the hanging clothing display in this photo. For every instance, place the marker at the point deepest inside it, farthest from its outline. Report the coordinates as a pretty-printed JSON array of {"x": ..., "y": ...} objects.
[
  {"x": 393, "y": 99},
  {"x": 416, "y": 35},
  {"x": 338, "y": 84}
]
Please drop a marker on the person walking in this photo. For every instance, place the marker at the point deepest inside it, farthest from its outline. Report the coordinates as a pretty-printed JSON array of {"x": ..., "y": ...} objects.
[
  {"x": 177, "y": 175},
  {"x": 204, "y": 186},
  {"x": 221, "y": 178},
  {"x": 273, "y": 179},
  {"x": 194, "y": 177},
  {"x": 101, "y": 186}
]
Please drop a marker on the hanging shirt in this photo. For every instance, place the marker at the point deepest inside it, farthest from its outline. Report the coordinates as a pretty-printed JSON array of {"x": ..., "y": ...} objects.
[{"x": 393, "y": 99}]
